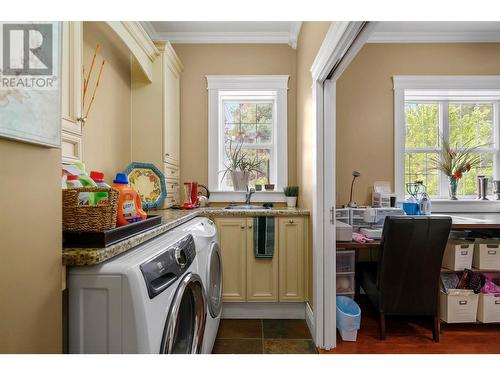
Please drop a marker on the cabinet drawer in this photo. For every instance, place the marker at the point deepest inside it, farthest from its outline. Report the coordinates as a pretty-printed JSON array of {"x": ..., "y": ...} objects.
[
  {"x": 172, "y": 187},
  {"x": 71, "y": 147},
  {"x": 172, "y": 172}
]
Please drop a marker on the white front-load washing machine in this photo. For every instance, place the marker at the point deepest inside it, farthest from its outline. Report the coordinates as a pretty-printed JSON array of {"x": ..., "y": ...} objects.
[
  {"x": 209, "y": 257},
  {"x": 148, "y": 300}
]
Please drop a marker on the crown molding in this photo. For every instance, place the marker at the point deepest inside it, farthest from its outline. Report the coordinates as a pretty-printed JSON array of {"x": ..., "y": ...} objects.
[
  {"x": 434, "y": 37},
  {"x": 149, "y": 29},
  {"x": 138, "y": 43},
  {"x": 294, "y": 34},
  {"x": 225, "y": 37},
  {"x": 166, "y": 48}
]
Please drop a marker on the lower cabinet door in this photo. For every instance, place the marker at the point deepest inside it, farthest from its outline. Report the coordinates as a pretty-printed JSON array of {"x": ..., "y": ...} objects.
[
  {"x": 262, "y": 274},
  {"x": 292, "y": 259},
  {"x": 233, "y": 238}
]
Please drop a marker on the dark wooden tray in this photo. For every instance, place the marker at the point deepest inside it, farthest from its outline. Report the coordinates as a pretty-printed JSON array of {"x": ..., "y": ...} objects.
[{"x": 109, "y": 237}]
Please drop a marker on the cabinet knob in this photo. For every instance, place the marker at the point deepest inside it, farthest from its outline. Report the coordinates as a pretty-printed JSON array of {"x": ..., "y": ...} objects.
[
  {"x": 290, "y": 221},
  {"x": 250, "y": 226},
  {"x": 167, "y": 154},
  {"x": 242, "y": 227}
]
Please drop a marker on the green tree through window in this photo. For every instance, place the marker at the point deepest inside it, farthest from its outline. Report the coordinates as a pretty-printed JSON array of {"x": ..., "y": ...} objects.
[{"x": 462, "y": 122}]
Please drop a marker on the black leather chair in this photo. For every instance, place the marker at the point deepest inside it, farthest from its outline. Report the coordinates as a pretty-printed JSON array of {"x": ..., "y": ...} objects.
[{"x": 405, "y": 280}]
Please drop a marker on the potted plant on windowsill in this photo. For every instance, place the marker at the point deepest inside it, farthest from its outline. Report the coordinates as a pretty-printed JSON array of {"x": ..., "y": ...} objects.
[
  {"x": 240, "y": 165},
  {"x": 291, "y": 194},
  {"x": 455, "y": 162}
]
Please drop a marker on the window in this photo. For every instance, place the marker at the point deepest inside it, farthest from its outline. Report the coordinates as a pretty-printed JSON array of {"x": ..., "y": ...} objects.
[
  {"x": 249, "y": 126},
  {"x": 459, "y": 123},
  {"x": 466, "y": 114},
  {"x": 248, "y": 114}
]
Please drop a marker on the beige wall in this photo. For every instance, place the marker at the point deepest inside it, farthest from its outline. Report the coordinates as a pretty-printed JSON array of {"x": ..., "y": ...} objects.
[
  {"x": 310, "y": 38},
  {"x": 106, "y": 135},
  {"x": 30, "y": 253},
  {"x": 200, "y": 60},
  {"x": 365, "y": 110}
]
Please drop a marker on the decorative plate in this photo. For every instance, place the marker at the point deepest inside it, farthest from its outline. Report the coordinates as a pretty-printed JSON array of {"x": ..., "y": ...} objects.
[{"x": 149, "y": 182}]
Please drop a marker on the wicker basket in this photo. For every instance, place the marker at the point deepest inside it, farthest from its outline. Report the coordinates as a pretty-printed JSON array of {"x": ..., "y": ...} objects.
[{"x": 78, "y": 218}]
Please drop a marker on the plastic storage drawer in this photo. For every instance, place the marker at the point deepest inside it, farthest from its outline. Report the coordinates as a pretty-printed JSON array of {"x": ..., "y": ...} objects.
[
  {"x": 346, "y": 261},
  {"x": 458, "y": 255},
  {"x": 345, "y": 283}
]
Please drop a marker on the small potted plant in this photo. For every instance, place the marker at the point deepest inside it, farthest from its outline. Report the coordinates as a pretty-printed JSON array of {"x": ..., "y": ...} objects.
[
  {"x": 239, "y": 165},
  {"x": 291, "y": 194}
]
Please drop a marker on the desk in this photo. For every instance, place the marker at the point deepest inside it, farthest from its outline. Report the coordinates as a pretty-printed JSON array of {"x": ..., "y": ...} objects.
[{"x": 460, "y": 221}]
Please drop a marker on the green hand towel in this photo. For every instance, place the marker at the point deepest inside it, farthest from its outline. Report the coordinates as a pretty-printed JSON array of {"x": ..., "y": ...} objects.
[{"x": 263, "y": 237}]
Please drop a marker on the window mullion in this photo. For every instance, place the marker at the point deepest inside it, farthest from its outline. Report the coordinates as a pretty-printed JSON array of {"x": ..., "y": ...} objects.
[
  {"x": 496, "y": 140},
  {"x": 444, "y": 125}
]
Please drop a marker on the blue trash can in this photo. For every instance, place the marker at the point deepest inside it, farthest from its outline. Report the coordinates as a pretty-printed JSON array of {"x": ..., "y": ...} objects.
[{"x": 348, "y": 318}]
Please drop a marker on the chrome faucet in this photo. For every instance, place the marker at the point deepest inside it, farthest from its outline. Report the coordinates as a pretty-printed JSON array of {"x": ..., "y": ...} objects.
[{"x": 248, "y": 195}]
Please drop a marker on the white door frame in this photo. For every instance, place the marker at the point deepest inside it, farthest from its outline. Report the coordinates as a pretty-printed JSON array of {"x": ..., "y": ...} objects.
[{"x": 341, "y": 44}]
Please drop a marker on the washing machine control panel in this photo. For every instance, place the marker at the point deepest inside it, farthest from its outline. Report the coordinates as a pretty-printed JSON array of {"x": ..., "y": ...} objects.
[{"x": 164, "y": 269}]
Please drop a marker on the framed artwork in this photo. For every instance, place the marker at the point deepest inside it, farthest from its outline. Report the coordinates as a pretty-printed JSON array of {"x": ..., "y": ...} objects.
[
  {"x": 149, "y": 183},
  {"x": 30, "y": 81}
]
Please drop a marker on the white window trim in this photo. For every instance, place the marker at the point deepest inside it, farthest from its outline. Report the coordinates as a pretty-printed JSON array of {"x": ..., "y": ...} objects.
[
  {"x": 275, "y": 83},
  {"x": 481, "y": 84}
]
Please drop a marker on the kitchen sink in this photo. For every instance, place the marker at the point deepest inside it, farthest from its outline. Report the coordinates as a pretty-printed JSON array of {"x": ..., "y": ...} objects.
[{"x": 246, "y": 207}]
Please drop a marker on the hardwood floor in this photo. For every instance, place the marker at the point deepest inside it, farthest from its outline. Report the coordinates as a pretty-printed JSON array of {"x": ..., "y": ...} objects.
[{"x": 413, "y": 335}]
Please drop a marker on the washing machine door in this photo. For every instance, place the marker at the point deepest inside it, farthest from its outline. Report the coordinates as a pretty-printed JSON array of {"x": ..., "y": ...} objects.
[
  {"x": 183, "y": 332},
  {"x": 214, "y": 280}
]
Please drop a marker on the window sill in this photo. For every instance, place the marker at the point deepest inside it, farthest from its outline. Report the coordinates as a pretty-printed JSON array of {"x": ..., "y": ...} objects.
[
  {"x": 239, "y": 196},
  {"x": 465, "y": 205}
]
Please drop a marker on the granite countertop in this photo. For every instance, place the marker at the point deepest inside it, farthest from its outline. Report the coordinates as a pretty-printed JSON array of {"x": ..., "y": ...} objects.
[{"x": 171, "y": 218}]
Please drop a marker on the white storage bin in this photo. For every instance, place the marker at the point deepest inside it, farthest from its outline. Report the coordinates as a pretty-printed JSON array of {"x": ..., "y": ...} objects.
[
  {"x": 458, "y": 255},
  {"x": 458, "y": 306},
  {"x": 346, "y": 261},
  {"x": 345, "y": 283},
  {"x": 489, "y": 308},
  {"x": 487, "y": 254}
]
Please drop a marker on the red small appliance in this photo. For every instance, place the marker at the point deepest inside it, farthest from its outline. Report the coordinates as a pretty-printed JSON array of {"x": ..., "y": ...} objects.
[{"x": 190, "y": 195}]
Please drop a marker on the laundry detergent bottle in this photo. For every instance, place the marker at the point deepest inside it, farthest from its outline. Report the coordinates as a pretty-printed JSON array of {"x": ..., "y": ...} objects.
[{"x": 129, "y": 202}]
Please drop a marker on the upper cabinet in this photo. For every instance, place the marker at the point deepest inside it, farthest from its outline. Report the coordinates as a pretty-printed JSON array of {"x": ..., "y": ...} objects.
[
  {"x": 171, "y": 135},
  {"x": 71, "y": 89},
  {"x": 156, "y": 117}
]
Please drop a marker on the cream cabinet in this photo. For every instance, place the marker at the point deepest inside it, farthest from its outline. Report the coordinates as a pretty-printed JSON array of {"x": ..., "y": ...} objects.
[
  {"x": 71, "y": 91},
  {"x": 282, "y": 278},
  {"x": 293, "y": 258},
  {"x": 262, "y": 274},
  {"x": 156, "y": 118},
  {"x": 233, "y": 242}
]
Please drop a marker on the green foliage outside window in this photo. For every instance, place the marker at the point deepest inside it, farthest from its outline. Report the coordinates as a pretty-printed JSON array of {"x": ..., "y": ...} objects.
[{"x": 469, "y": 124}]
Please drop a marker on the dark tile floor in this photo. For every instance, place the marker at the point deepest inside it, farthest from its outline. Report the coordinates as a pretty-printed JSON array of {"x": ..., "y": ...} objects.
[{"x": 255, "y": 336}]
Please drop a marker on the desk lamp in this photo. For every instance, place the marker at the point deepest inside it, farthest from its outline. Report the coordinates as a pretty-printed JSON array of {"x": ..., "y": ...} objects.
[{"x": 351, "y": 203}]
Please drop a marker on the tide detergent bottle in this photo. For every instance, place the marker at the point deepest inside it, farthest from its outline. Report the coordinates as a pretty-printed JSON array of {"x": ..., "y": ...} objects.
[{"x": 129, "y": 202}]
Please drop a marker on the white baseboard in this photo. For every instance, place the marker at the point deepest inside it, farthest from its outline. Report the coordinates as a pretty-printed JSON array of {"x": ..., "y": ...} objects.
[
  {"x": 264, "y": 310},
  {"x": 310, "y": 321}
]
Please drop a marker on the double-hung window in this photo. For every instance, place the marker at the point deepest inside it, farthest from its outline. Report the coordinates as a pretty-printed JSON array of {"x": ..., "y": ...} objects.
[
  {"x": 461, "y": 110},
  {"x": 248, "y": 114}
]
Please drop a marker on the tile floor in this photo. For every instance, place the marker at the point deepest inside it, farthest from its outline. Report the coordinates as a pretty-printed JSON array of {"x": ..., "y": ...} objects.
[{"x": 255, "y": 336}]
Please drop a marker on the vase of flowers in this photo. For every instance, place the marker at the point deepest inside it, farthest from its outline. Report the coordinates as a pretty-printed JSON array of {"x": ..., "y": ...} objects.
[
  {"x": 240, "y": 165},
  {"x": 452, "y": 188},
  {"x": 455, "y": 162}
]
